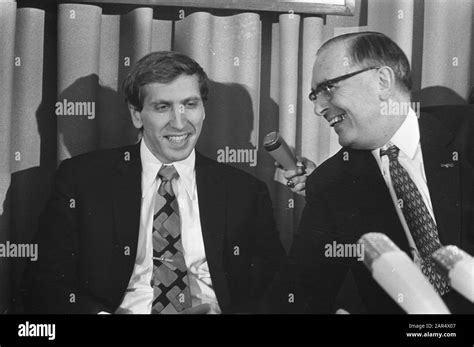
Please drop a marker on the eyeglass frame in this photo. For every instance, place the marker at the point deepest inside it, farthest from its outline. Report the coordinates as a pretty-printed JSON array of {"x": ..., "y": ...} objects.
[{"x": 329, "y": 84}]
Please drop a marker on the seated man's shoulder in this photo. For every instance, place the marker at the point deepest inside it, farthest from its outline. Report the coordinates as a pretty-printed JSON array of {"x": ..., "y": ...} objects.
[
  {"x": 334, "y": 168},
  {"x": 101, "y": 161},
  {"x": 452, "y": 117},
  {"x": 227, "y": 172}
]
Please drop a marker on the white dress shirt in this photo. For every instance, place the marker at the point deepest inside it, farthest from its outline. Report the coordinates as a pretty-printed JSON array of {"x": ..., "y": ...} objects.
[
  {"x": 407, "y": 139},
  {"x": 139, "y": 295}
]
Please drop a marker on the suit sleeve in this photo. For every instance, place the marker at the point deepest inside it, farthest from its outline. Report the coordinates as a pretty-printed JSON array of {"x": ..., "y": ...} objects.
[
  {"x": 309, "y": 281},
  {"x": 53, "y": 278}
]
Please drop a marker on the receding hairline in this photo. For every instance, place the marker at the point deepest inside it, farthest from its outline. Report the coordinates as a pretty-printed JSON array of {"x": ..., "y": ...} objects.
[
  {"x": 370, "y": 48},
  {"x": 346, "y": 41}
]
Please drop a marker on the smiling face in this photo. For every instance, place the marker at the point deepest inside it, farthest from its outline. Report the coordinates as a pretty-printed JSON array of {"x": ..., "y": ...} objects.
[
  {"x": 353, "y": 109},
  {"x": 171, "y": 117}
]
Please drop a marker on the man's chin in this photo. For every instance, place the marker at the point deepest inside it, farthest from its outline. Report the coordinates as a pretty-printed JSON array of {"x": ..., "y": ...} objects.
[
  {"x": 174, "y": 155},
  {"x": 176, "y": 152},
  {"x": 347, "y": 139},
  {"x": 343, "y": 141}
]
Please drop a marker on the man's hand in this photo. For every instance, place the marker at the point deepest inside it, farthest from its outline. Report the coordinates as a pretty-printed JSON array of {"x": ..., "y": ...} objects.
[{"x": 297, "y": 178}]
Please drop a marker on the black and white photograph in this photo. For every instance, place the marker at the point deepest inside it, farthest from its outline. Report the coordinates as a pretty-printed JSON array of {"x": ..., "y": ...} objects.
[{"x": 237, "y": 169}]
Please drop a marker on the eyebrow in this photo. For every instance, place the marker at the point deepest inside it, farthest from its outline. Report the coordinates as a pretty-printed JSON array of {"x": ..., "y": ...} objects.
[
  {"x": 192, "y": 98},
  {"x": 167, "y": 102}
]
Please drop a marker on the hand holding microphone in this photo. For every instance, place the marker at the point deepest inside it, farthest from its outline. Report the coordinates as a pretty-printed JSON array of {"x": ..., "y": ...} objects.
[
  {"x": 458, "y": 267},
  {"x": 295, "y": 168},
  {"x": 399, "y": 276},
  {"x": 277, "y": 147}
]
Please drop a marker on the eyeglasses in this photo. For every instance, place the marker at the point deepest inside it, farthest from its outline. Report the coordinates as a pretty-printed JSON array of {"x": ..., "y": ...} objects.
[{"x": 328, "y": 86}]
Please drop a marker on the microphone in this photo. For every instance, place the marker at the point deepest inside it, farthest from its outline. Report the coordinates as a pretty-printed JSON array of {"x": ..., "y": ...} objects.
[
  {"x": 277, "y": 147},
  {"x": 458, "y": 267},
  {"x": 399, "y": 276}
]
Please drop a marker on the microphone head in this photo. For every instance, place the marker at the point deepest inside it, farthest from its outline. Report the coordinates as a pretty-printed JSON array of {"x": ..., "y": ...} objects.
[
  {"x": 271, "y": 141},
  {"x": 374, "y": 245},
  {"x": 446, "y": 258}
]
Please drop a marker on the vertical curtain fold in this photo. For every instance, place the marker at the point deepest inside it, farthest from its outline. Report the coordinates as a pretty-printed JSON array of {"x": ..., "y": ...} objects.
[
  {"x": 395, "y": 19},
  {"x": 110, "y": 109},
  {"x": 29, "y": 184},
  {"x": 7, "y": 42},
  {"x": 289, "y": 30},
  {"x": 289, "y": 45},
  {"x": 162, "y": 33},
  {"x": 27, "y": 88},
  {"x": 136, "y": 33},
  {"x": 78, "y": 70},
  {"x": 314, "y": 130},
  {"x": 447, "y": 52},
  {"x": 136, "y": 36},
  {"x": 269, "y": 94}
]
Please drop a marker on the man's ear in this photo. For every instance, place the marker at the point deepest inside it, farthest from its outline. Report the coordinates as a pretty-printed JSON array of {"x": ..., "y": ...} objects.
[
  {"x": 136, "y": 116},
  {"x": 386, "y": 81}
]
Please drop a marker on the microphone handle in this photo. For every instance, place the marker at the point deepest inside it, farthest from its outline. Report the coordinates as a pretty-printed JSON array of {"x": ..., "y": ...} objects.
[
  {"x": 283, "y": 155},
  {"x": 461, "y": 278},
  {"x": 401, "y": 279}
]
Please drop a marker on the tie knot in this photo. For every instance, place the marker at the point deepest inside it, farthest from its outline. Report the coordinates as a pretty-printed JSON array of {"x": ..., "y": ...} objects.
[
  {"x": 167, "y": 173},
  {"x": 391, "y": 151}
]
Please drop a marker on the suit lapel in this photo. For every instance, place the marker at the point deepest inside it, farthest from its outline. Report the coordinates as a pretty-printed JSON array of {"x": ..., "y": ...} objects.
[
  {"x": 212, "y": 211},
  {"x": 126, "y": 185},
  {"x": 377, "y": 208},
  {"x": 442, "y": 174}
]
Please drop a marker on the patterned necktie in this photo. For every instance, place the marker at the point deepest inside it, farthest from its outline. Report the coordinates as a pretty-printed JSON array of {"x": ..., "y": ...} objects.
[
  {"x": 418, "y": 218},
  {"x": 170, "y": 278}
]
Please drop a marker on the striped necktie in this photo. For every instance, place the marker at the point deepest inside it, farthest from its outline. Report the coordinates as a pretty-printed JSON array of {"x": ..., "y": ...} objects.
[
  {"x": 170, "y": 284},
  {"x": 422, "y": 226}
]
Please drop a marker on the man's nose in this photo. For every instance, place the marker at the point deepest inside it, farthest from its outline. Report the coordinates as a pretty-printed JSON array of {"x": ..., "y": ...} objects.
[
  {"x": 178, "y": 117},
  {"x": 320, "y": 106}
]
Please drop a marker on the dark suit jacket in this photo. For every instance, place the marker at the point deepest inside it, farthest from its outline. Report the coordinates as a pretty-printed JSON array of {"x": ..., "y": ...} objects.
[
  {"x": 347, "y": 197},
  {"x": 89, "y": 232}
]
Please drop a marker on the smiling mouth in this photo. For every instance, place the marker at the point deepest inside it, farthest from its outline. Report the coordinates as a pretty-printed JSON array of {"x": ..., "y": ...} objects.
[
  {"x": 337, "y": 119},
  {"x": 177, "y": 138}
]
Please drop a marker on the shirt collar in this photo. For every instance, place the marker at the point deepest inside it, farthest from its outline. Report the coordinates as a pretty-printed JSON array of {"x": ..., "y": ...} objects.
[
  {"x": 151, "y": 165},
  {"x": 185, "y": 170},
  {"x": 407, "y": 137}
]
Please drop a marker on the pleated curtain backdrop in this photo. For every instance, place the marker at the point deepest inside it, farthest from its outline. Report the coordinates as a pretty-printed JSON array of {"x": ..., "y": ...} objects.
[
  {"x": 260, "y": 69},
  {"x": 27, "y": 129}
]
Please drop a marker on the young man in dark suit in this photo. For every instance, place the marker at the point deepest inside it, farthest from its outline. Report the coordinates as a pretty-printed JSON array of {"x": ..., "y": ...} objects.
[
  {"x": 406, "y": 175},
  {"x": 156, "y": 227}
]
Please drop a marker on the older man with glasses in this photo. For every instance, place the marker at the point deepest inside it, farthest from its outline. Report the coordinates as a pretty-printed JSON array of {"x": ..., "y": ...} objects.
[{"x": 407, "y": 175}]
